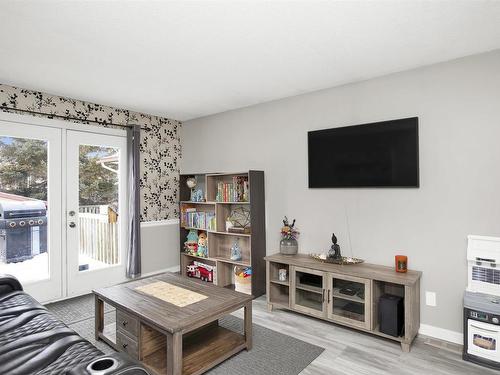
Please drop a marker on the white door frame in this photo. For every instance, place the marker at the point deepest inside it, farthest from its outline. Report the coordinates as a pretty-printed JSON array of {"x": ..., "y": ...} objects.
[{"x": 61, "y": 291}]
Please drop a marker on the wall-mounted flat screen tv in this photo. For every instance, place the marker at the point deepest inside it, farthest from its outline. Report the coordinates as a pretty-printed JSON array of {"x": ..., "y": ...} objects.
[{"x": 380, "y": 154}]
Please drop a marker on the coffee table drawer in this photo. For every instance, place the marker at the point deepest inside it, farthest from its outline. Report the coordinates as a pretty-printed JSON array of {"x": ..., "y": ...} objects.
[
  {"x": 127, "y": 345},
  {"x": 127, "y": 323}
]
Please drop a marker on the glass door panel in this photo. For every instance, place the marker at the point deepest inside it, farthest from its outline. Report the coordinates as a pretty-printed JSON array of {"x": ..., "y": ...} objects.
[
  {"x": 350, "y": 300},
  {"x": 96, "y": 210},
  {"x": 309, "y": 291},
  {"x": 30, "y": 207}
]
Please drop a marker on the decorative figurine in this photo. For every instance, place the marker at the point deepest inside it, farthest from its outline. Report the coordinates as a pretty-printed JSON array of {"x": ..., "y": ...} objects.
[
  {"x": 236, "y": 251},
  {"x": 197, "y": 195},
  {"x": 334, "y": 252},
  {"x": 191, "y": 244},
  {"x": 202, "y": 245},
  {"x": 191, "y": 184},
  {"x": 239, "y": 220}
]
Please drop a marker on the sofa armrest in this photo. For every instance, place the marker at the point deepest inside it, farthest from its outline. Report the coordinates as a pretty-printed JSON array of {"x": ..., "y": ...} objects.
[{"x": 9, "y": 283}]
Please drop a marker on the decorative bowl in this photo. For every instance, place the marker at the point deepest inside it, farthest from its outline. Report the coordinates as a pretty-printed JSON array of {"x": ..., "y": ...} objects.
[{"x": 345, "y": 260}]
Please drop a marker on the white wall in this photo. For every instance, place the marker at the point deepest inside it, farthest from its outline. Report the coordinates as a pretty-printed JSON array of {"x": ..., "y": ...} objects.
[
  {"x": 159, "y": 246},
  {"x": 458, "y": 104}
]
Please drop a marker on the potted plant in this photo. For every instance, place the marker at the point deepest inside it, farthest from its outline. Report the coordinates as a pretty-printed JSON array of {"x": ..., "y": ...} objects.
[{"x": 289, "y": 235}]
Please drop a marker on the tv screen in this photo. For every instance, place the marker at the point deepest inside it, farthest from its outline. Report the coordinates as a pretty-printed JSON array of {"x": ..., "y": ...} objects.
[{"x": 380, "y": 154}]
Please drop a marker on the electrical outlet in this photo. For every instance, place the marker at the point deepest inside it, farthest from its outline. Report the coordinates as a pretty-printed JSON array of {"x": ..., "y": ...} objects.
[{"x": 430, "y": 298}]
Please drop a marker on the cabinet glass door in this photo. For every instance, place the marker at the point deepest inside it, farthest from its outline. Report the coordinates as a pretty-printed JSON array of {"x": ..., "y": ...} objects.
[
  {"x": 349, "y": 300},
  {"x": 309, "y": 291}
]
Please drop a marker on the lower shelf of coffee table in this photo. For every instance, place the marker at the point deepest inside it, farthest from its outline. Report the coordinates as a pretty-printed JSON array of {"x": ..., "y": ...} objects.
[{"x": 201, "y": 349}]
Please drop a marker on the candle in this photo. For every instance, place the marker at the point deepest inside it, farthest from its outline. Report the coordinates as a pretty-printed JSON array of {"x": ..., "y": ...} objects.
[{"x": 401, "y": 263}]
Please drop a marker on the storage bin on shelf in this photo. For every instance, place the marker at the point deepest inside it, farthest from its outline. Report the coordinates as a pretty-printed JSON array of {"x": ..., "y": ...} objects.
[{"x": 243, "y": 279}]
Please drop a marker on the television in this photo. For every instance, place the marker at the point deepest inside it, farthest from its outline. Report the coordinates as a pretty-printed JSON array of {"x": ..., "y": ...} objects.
[{"x": 379, "y": 154}]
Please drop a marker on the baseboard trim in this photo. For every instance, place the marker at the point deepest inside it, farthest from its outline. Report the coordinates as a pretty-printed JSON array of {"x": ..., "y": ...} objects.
[
  {"x": 441, "y": 334},
  {"x": 157, "y": 223},
  {"x": 170, "y": 269}
]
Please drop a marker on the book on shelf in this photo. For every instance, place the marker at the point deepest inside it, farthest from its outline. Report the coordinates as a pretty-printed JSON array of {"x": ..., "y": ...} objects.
[
  {"x": 199, "y": 220},
  {"x": 237, "y": 191}
]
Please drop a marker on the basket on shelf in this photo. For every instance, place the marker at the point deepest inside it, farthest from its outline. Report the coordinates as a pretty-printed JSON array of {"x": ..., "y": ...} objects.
[{"x": 243, "y": 279}]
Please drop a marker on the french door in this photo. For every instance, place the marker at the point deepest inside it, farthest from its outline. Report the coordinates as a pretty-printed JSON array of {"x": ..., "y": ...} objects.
[
  {"x": 63, "y": 212},
  {"x": 95, "y": 210},
  {"x": 30, "y": 208}
]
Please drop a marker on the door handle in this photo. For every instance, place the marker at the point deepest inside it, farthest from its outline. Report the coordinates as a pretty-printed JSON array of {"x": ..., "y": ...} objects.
[
  {"x": 328, "y": 295},
  {"x": 72, "y": 224},
  {"x": 323, "y": 295}
]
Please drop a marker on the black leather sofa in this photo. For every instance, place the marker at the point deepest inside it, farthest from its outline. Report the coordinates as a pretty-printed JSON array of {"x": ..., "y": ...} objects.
[{"x": 33, "y": 341}]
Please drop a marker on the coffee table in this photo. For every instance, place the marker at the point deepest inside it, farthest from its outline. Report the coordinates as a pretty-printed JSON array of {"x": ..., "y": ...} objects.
[{"x": 170, "y": 323}]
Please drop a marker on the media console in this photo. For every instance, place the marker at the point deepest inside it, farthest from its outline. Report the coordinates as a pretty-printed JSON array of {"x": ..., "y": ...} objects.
[{"x": 343, "y": 294}]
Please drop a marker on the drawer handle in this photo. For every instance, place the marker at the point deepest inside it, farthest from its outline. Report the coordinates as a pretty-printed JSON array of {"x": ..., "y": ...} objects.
[
  {"x": 124, "y": 346},
  {"x": 124, "y": 323}
]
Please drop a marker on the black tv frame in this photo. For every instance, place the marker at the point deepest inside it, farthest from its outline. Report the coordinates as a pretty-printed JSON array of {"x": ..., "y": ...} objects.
[{"x": 371, "y": 186}]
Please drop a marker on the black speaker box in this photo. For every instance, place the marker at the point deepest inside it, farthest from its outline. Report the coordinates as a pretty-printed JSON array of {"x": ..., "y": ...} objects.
[{"x": 391, "y": 315}]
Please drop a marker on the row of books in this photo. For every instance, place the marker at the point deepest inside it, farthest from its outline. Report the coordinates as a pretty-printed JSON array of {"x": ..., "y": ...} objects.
[
  {"x": 237, "y": 191},
  {"x": 199, "y": 220}
]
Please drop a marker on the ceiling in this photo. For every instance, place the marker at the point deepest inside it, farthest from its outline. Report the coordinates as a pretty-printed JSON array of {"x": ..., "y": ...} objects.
[{"x": 187, "y": 59}]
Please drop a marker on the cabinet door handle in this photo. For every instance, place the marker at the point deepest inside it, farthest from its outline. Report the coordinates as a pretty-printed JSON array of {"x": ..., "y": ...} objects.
[
  {"x": 323, "y": 295},
  {"x": 124, "y": 323},
  {"x": 124, "y": 346},
  {"x": 328, "y": 295}
]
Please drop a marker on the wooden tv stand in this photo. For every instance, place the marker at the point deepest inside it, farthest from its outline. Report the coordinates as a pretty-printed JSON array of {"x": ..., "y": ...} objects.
[{"x": 314, "y": 288}]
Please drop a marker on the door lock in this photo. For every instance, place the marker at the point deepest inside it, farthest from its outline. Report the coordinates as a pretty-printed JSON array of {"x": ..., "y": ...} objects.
[{"x": 72, "y": 213}]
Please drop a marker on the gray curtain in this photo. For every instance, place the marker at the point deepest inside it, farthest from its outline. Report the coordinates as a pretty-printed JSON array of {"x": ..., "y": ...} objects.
[{"x": 134, "y": 199}]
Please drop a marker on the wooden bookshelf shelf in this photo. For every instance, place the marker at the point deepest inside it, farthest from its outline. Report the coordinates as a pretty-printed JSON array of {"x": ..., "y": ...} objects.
[
  {"x": 194, "y": 203},
  {"x": 286, "y": 283},
  {"x": 232, "y": 202},
  {"x": 232, "y": 234},
  {"x": 218, "y": 259},
  {"x": 235, "y": 262},
  {"x": 220, "y": 241}
]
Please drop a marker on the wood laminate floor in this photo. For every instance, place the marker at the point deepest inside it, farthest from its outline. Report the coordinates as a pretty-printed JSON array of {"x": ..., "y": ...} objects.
[{"x": 350, "y": 352}]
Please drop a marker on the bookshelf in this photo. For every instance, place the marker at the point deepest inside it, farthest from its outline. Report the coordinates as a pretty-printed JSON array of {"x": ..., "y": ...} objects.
[{"x": 223, "y": 193}]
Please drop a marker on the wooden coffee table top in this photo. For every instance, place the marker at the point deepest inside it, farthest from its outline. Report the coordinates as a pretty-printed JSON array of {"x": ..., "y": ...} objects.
[{"x": 167, "y": 316}]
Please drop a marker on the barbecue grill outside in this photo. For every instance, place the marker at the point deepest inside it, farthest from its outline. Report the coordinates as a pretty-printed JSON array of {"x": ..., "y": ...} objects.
[{"x": 23, "y": 228}]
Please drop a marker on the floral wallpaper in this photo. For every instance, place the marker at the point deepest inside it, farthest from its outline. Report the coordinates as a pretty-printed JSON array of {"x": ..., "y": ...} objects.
[{"x": 160, "y": 142}]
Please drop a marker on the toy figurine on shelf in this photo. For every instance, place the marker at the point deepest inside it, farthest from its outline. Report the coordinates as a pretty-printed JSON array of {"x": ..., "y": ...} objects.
[
  {"x": 202, "y": 245},
  {"x": 191, "y": 244},
  {"x": 236, "y": 251},
  {"x": 197, "y": 195}
]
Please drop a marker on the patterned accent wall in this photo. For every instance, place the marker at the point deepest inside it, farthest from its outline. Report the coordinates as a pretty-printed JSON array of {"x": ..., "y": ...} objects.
[{"x": 160, "y": 142}]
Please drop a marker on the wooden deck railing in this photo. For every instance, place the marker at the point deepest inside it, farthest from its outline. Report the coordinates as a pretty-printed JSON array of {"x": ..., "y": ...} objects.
[{"x": 98, "y": 237}]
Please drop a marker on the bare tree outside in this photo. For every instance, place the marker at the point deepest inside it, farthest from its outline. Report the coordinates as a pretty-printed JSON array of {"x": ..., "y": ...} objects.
[{"x": 23, "y": 171}]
